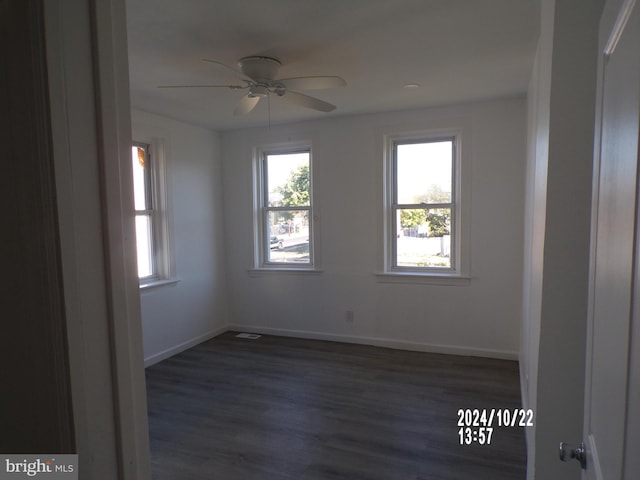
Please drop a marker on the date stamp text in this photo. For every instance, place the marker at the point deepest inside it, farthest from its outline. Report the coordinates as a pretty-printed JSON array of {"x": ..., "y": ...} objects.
[{"x": 476, "y": 426}]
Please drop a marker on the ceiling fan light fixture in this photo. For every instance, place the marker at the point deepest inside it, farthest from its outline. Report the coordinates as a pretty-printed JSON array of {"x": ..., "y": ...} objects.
[{"x": 259, "y": 91}]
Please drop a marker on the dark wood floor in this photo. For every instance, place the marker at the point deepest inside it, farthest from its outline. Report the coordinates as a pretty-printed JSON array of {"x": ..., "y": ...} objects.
[{"x": 290, "y": 409}]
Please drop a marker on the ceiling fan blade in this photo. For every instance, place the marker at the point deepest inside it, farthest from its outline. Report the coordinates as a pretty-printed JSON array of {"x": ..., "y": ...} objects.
[
  {"x": 245, "y": 105},
  {"x": 307, "y": 101},
  {"x": 228, "y": 69},
  {"x": 234, "y": 87},
  {"x": 312, "y": 83}
]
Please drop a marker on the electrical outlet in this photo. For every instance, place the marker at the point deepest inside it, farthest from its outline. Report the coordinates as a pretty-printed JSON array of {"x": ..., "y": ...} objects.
[{"x": 350, "y": 316}]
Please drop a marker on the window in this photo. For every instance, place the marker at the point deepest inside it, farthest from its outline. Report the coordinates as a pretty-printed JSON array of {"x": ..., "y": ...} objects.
[
  {"x": 284, "y": 207},
  {"x": 151, "y": 245},
  {"x": 422, "y": 205}
]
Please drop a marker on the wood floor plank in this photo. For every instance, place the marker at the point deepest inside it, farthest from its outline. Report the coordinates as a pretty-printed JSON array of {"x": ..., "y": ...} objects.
[{"x": 280, "y": 408}]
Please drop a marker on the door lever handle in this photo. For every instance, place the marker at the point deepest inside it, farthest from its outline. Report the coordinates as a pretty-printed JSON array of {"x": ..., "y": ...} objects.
[{"x": 579, "y": 453}]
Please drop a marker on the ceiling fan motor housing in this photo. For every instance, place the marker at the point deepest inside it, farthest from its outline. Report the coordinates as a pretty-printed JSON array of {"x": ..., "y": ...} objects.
[{"x": 260, "y": 69}]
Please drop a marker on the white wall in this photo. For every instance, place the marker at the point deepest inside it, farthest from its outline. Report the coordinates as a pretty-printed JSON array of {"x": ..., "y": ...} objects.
[
  {"x": 481, "y": 318},
  {"x": 558, "y": 199},
  {"x": 177, "y": 316}
]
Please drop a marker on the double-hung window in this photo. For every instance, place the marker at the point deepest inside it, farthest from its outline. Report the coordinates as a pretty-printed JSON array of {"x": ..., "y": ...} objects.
[
  {"x": 284, "y": 209},
  {"x": 149, "y": 224},
  {"x": 423, "y": 205}
]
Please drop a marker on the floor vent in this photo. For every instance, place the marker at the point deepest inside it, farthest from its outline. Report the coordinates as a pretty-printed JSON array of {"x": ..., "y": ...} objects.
[{"x": 252, "y": 336}]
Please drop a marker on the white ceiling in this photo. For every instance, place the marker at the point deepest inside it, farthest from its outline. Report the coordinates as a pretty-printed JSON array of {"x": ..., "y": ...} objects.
[{"x": 457, "y": 50}]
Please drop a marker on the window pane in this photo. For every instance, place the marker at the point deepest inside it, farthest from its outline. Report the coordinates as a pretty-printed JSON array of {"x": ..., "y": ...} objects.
[
  {"x": 424, "y": 172},
  {"x": 288, "y": 233},
  {"x": 145, "y": 246},
  {"x": 287, "y": 179},
  {"x": 423, "y": 238},
  {"x": 140, "y": 167}
]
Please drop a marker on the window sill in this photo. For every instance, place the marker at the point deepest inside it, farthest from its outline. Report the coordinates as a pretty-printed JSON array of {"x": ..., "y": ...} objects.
[
  {"x": 158, "y": 283},
  {"x": 424, "y": 278},
  {"x": 262, "y": 272}
]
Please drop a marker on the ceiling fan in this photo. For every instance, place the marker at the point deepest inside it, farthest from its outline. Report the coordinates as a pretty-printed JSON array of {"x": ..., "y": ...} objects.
[{"x": 258, "y": 74}]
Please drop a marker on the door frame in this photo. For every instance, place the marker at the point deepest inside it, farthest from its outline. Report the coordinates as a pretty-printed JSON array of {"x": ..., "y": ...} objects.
[{"x": 90, "y": 112}]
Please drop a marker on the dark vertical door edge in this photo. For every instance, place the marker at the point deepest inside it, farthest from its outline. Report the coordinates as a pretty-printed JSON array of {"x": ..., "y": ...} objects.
[{"x": 35, "y": 402}]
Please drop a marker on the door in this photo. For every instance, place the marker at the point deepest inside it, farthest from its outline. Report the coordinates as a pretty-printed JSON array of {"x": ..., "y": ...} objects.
[{"x": 611, "y": 377}]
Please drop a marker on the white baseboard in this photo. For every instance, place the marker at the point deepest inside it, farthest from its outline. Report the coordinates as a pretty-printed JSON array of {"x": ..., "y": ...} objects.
[
  {"x": 377, "y": 342},
  {"x": 380, "y": 342},
  {"x": 169, "y": 352}
]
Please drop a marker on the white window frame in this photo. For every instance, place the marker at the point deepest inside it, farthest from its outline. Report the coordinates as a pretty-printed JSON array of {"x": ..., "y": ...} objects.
[
  {"x": 161, "y": 258},
  {"x": 261, "y": 209},
  {"x": 459, "y": 243}
]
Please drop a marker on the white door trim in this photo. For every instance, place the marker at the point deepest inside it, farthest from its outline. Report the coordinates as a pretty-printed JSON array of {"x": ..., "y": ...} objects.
[
  {"x": 90, "y": 118},
  {"x": 114, "y": 150}
]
